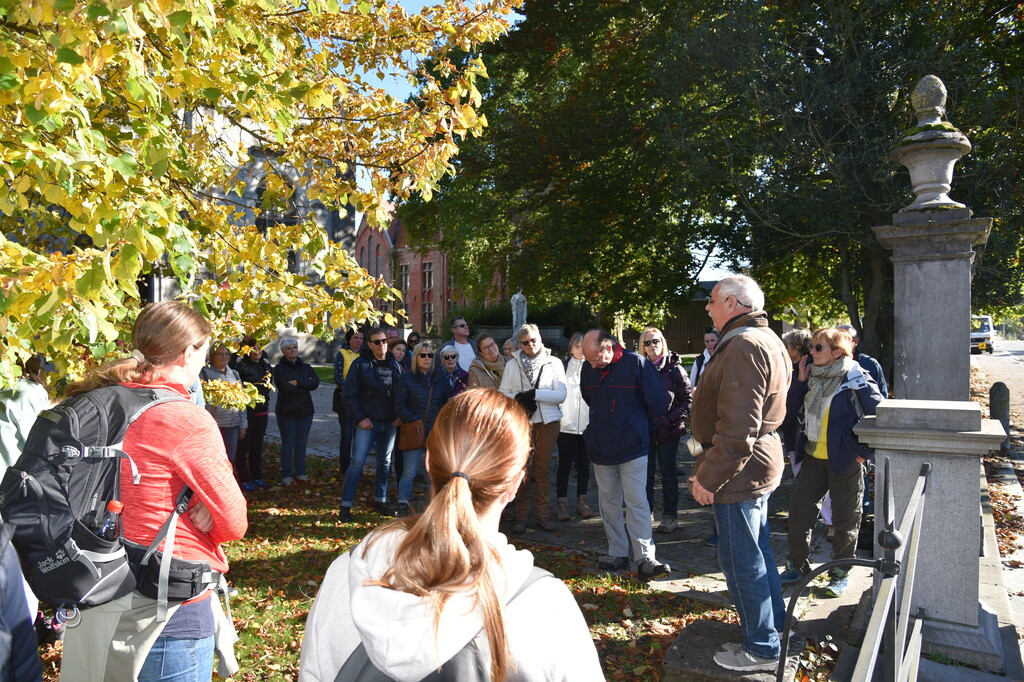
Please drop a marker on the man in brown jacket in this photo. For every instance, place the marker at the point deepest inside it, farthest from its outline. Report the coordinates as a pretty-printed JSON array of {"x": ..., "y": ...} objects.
[{"x": 738, "y": 406}]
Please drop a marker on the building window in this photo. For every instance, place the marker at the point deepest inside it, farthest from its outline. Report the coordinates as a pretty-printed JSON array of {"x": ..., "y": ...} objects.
[
  {"x": 403, "y": 279},
  {"x": 369, "y": 254},
  {"x": 428, "y": 314},
  {"x": 362, "y": 257},
  {"x": 428, "y": 276},
  {"x": 376, "y": 262}
]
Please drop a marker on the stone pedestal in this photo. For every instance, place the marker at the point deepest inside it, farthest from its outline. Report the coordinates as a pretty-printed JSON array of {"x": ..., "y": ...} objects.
[
  {"x": 932, "y": 257},
  {"x": 953, "y": 437}
]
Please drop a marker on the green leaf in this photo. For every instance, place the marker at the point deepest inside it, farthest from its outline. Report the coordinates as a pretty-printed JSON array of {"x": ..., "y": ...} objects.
[
  {"x": 364, "y": 8},
  {"x": 64, "y": 5},
  {"x": 212, "y": 94},
  {"x": 89, "y": 284},
  {"x": 9, "y": 81},
  {"x": 125, "y": 165},
  {"x": 6, "y": 66},
  {"x": 68, "y": 56},
  {"x": 36, "y": 116},
  {"x": 181, "y": 18},
  {"x": 97, "y": 10}
]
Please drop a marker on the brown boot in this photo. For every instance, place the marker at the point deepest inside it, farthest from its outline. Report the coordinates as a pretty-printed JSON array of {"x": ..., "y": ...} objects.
[
  {"x": 563, "y": 509},
  {"x": 583, "y": 509}
]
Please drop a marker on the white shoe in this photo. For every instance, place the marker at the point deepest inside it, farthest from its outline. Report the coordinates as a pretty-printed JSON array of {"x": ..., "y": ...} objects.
[
  {"x": 738, "y": 659},
  {"x": 302, "y": 478},
  {"x": 287, "y": 480}
]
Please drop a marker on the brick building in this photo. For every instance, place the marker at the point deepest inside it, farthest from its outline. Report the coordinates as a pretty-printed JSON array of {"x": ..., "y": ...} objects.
[{"x": 423, "y": 277}]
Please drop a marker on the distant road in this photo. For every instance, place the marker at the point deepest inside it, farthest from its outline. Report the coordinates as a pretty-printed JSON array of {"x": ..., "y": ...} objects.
[{"x": 1006, "y": 364}]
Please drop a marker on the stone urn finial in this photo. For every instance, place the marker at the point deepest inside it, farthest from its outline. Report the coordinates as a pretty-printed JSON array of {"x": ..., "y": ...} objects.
[
  {"x": 929, "y": 100},
  {"x": 931, "y": 149}
]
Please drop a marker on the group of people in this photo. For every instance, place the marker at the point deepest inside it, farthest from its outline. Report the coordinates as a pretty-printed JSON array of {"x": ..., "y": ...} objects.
[{"x": 485, "y": 424}]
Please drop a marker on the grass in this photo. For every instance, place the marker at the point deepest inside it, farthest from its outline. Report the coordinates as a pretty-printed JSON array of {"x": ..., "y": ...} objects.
[
  {"x": 325, "y": 372},
  {"x": 293, "y": 538}
]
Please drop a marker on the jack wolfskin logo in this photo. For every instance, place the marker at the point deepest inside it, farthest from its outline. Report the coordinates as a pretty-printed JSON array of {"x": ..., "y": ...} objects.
[
  {"x": 52, "y": 563},
  {"x": 71, "y": 451}
]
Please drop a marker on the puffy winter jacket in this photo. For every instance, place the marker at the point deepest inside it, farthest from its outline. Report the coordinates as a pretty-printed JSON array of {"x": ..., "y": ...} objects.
[{"x": 255, "y": 373}]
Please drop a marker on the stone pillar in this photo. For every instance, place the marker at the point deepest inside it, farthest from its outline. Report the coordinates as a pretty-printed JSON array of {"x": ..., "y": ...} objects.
[
  {"x": 953, "y": 437},
  {"x": 931, "y": 240}
]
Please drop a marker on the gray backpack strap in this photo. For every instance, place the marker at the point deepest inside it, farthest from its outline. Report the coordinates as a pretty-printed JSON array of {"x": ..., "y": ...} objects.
[
  {"x": 168, "y": 530},
  {"x": 467, "y": 665}
]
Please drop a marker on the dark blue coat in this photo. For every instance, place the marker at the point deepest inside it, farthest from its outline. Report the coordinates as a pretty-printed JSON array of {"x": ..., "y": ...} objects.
[
  {"x": 412, "y": 393},
  {"x": 295, "y": 401},
  {"x": 624, "y": 398},
  {"x": 365, "y": 395},
  {"x": 843, "y": 446}
]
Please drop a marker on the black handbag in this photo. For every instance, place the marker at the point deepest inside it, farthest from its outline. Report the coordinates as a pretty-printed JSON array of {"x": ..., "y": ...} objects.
[{"x": 528, "y": 399}]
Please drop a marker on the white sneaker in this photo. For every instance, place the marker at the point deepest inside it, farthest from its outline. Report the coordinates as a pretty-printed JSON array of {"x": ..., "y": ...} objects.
[
  {"x": 302, "y": 478},
  {"x": 738, "y": 659},
  {"x": 287, "y": 480}
]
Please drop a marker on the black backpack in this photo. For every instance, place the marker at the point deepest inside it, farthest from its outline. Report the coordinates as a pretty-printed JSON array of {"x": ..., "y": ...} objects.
[{"x": 56, "y": 495}]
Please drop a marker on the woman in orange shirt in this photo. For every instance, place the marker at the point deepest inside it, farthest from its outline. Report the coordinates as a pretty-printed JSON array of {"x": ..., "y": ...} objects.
[{"x": 174, "y": 444}]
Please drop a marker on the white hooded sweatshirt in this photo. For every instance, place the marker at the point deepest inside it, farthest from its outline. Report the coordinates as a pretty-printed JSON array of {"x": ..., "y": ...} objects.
[{"x": 547, "y": 634}]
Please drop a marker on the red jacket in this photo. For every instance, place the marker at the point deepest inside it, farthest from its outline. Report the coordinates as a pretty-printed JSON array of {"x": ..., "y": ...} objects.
[{"x": 173, "y": 445}]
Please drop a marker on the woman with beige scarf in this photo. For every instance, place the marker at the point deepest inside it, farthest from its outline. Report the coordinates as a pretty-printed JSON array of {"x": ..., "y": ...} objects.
[
  {"x": 835, "y": 393},
  {"x": 487, "y": 367}
]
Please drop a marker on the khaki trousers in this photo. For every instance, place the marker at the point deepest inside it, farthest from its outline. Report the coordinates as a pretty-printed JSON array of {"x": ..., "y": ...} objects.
[{"x": 543, "y": 437}]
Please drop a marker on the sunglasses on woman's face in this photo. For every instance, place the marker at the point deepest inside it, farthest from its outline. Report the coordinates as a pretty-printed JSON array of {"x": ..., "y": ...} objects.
[
  {"x": 819, "y": 347},
  {"x": 651, "y": 342},
  {"x": 426, "y": 355},
  {"x": 449, "y": 357}
]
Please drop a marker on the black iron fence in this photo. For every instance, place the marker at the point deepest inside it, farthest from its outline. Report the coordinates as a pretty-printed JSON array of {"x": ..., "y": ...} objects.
[{"x": 887, "y": 632}]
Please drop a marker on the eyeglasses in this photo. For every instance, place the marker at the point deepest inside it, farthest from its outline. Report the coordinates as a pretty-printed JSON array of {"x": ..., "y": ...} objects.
[
  {"x": 449, "y": 357},
  {"x": 529, "y": 342},
  {"x": 819, "y": 347},
  {"x": 458, "y": 326},
  {"x": 489, "y": 346},
  {"x": 426, "y": 355},
  {"x": 378, "y": 342},
  {"x": 651, "y": 342}
]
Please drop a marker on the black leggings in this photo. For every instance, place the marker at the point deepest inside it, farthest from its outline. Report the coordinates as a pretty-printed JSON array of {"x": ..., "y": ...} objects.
[{"x": 571, "y": 450}]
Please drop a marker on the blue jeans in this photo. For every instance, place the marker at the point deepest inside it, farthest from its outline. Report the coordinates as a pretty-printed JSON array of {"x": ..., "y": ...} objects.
[
  {"x": 409, "y": 471},
  {"x": 383, "y": 434},
  {"x": 745, "y": 554},
  {"x": 230, "y": 437},
  {"x": 664, "y": 457},
  {"x": 294, "y": 434},
  {"x": 179, "y": 660}
]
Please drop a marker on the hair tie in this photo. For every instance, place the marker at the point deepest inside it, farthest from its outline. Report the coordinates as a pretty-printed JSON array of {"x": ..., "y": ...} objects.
[
  {"x": 139, "y": 357},
  {"x": 461, "y": 475}
]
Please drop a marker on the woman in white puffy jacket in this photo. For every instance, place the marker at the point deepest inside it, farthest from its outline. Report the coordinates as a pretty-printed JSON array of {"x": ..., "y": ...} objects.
[
  {"x": 575, "y": 417},
  {"x": 533, "y": 372}
]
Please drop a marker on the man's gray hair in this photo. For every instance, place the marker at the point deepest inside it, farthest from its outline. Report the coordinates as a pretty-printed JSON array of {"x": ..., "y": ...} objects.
[
  {"x": 746, "y": 291},
  {"x": 848, "y": 327},
  {"x": 289, "y": 342}
]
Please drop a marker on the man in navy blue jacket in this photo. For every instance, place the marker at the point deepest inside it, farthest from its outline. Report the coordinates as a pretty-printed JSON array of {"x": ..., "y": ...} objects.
[{"x": 625, "y": 395}]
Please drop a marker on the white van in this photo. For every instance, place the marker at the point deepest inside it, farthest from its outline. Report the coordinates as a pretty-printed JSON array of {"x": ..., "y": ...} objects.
[{"x": 983, "y": 333}]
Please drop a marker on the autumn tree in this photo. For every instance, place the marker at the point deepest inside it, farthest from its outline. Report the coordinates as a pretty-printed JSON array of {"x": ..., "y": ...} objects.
[{"x": 131, "y": 131}]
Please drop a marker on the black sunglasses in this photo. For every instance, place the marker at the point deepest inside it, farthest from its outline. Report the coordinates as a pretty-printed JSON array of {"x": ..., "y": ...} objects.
[
  {"x": 819, "y": 347},
  {"x": 651, "y": 342},
  {"x": 449, "y": 357},
  {"x": 378, "y": 342},
  {"x": 426, "y": 355}
]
